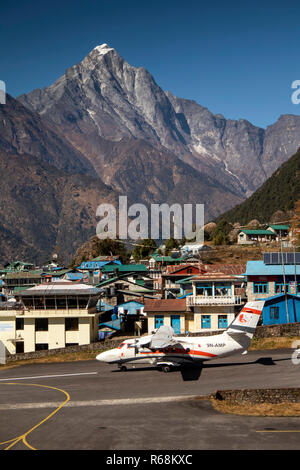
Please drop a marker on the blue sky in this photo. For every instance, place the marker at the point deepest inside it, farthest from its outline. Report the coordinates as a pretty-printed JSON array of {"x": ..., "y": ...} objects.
[{"x": 235, "y": 58}]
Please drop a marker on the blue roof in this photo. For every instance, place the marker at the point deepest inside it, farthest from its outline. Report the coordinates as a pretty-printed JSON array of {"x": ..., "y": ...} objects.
[
  {"x": 97, "y": 264},
  {"x": 259, "y": 268},
  {"x": 114, "y": 324},
  {"x": 104, "y": 306},
  {"x": 74, "y": 276},
  {"x": 132, "y": 302},
  {"x": 277, "y": 297}
]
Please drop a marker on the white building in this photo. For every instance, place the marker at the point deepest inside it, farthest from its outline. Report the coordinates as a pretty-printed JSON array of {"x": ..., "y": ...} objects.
[{"x": 49, "y": 316}]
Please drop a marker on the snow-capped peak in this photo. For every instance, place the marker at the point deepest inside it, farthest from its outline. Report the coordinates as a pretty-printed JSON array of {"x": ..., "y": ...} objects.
[{"x": 103, "y": 49}]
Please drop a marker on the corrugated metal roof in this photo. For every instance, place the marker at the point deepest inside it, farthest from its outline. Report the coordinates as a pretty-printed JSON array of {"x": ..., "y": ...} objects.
[
  {"x": 280, "y": 227},
  {"x": 258, "y": 268},
  {"x": 165, "y": 305},
  {"x": 124, "y": 268},
  {"x": 258, "y": 232},
  {"x": 61, "y": 288}
]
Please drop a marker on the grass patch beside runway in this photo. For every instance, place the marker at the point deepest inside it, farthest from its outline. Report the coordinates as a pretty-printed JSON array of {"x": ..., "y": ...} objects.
[
  {"x": 282, "y": 342},
  {"x": 62, "y": 357},
  {"x": 257, "y": 409}
]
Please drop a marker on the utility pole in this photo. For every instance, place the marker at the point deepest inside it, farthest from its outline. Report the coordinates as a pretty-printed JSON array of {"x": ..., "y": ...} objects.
[{"x": 284, "y": 281}]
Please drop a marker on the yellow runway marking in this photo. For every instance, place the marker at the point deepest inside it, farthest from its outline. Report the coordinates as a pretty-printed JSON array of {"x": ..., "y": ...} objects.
[{"x": 23, "y": 437}]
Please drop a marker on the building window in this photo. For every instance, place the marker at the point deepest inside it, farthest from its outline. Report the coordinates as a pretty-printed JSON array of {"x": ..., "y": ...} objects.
[
  {"x": 205, "y": 321},
  {"x": 222, "y": 321},
  {"x": 71, "y": 324},
  {"x": 41, "y": 347},
  {"x": 281, "y": 288},
  {"x": 260, "y": 288},
  {"x": 274, "y": 313},
  {"x": 41, "y": 324},
  {"x": 19, "y": 323},
  {"x": 158, "y": 321},
  {"x": 19, "y": 347}
]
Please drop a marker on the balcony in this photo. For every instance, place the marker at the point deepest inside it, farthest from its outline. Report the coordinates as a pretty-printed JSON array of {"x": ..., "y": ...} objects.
[{"x": 202, "y": 300}]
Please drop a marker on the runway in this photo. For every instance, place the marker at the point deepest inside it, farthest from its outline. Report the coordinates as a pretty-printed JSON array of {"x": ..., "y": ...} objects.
[{"x": 90, "y": 405}]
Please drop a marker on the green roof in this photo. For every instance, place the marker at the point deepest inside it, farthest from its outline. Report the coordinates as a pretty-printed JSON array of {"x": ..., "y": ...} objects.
[
  {"x": 167, "y": 259},
  {"x": 24, "y": 275},
  {"x": 121, "y": 268},
  {"x": 20, "y": 289},
  {"x": 258, "y": 232},
  {"x": 186, "y": 280},
  {"x": 280, "y": 227}
]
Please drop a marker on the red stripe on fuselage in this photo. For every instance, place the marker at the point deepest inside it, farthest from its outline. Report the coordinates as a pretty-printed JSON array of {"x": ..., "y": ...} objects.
[{"x": 180, "y": 351}]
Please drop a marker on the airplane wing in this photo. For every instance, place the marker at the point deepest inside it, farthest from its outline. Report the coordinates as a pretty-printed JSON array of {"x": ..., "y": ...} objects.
[{"x": 163, "y": 338}]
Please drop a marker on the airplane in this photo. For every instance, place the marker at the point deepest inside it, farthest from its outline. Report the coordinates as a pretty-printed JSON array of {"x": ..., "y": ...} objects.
[{"x": 164, "y": 350}]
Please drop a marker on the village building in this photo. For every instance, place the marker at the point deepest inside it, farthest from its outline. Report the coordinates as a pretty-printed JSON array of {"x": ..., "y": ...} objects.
[
  {"x": 255, "y": 236},
  {"x": 281, "y": 231},
  {"x": 215, "y": 300},
  {"x": 14, "y": 282},
  {"x": 170, "y": 277},
  {"x": 266, "y": 280},
  {"x": 92, "y": 269},
  {"x": 171, "y": 312},
  {"x": 49, "y": 316},
  {"x": 281, "y": 309}
]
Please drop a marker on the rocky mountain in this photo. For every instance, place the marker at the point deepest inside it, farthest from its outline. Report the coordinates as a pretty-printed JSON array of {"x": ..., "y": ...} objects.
[
  {"x": 106, "y": 128},
  {"x": 103, "y": 97},
  {"x": 50, "y": 191},
  {"x": 43, "y": 208},
  {"x": 274, "y": 201}
]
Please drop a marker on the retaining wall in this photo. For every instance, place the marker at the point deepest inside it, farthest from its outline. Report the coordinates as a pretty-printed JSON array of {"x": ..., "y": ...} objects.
[
  {"x": 98, "y": 346},
  {"x": 290, "y": 329}
]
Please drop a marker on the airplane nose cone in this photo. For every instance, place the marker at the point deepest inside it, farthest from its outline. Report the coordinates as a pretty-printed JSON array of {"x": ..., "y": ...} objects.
[
  {"x": 103, "y": 357},
  {"x": 109, "y": 356}
]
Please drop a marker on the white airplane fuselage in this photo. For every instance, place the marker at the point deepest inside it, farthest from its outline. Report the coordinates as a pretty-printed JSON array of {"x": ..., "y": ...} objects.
[
  {"x": 191, "y": 349},
  {"x": 178, "y": 350}
]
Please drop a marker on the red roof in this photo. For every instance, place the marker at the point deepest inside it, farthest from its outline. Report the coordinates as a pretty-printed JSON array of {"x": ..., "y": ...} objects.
[
  {"x": 174, "y": 270},
  {"x": 225, "y": 268}
]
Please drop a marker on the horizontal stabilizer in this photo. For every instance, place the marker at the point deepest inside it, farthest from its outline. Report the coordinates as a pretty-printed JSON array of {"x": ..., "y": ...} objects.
[{"x": 162, "y": 338}]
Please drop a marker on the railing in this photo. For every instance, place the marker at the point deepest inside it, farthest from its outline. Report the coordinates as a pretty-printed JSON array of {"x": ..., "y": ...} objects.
[{"x": 213, "y": 300}]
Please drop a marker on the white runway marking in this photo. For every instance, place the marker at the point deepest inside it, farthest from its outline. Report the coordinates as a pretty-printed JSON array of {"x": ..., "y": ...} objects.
[
  {"x": 46, "y": 376},
  {"x": 113, "y": 402}
]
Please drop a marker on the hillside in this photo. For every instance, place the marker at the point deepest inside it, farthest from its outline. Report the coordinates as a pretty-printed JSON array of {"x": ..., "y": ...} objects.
[{"x": 278, "y": 193}]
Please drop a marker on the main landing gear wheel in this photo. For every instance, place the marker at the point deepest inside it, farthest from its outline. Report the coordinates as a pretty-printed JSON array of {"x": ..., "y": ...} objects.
[
  {"x": 166, "y": 368},
  {"x": 122, "y": 368}
]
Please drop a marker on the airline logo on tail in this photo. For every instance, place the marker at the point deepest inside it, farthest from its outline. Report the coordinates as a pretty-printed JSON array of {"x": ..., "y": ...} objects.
[{"x": 242, "y": 318}]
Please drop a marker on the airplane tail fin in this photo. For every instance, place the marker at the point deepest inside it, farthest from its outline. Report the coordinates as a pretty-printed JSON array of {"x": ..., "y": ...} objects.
[{"x": 243, "y": 327}]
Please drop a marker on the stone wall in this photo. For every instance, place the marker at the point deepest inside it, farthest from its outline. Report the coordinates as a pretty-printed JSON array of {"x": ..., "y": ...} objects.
[
  {"x": 290, "y": 329},
  {"x": 280, "y": 395}
]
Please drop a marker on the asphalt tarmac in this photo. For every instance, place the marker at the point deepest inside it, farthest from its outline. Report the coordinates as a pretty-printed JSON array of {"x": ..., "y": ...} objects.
[{"x": 89, "y": 405}]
